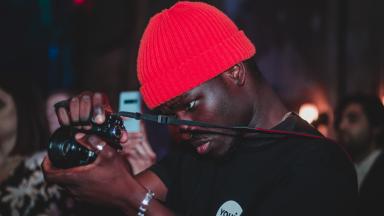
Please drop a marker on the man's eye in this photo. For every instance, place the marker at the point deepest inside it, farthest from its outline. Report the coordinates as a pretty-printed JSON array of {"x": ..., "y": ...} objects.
[{"x": 191, "y": 106}]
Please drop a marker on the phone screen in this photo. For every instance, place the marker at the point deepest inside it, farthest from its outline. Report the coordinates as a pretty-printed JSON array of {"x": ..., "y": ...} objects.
[{"x": 130, "y": 101}]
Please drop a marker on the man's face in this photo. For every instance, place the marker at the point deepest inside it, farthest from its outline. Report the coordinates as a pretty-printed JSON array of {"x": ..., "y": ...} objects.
[
  {"x": 354, "y": 130},
  {"x": 217, "y": 102}
]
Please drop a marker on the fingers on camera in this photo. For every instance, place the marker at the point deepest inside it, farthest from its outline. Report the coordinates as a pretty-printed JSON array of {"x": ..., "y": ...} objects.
[
  {"x": 63, "y": 116},
  {"x": 78, "y": 110},
  {"x": 96, "y": 144},
  {"x": 85, "y": 108},
  {"x": 101, "y": 148},
  {"x": 74, "y": 109},
  {"x": 98, "y": 110}
]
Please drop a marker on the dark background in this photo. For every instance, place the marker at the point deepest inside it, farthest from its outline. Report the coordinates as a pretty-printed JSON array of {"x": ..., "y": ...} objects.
[{"x": 310, "y": 50}]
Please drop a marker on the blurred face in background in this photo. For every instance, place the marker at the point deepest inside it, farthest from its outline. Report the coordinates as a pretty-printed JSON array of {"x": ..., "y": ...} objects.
[
  {"x": 355, "y": 131},
  {"x": 53, "y": 122},
  {"x": 8, "y": 124}
]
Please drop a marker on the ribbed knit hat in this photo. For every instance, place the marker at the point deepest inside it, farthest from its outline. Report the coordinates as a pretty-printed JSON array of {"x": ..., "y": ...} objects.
[{"x": 184, "y": 46}]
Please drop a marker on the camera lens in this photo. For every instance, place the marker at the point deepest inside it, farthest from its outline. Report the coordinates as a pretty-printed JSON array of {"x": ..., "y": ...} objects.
[{"x": 65, "y": 152}]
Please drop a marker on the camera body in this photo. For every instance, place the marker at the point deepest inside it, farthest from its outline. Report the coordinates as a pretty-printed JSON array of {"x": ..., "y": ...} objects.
[{"x": 65, "y": 152}]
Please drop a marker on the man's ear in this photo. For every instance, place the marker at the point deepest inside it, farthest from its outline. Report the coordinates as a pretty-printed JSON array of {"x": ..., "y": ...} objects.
[{"x": 237, "y": 74}]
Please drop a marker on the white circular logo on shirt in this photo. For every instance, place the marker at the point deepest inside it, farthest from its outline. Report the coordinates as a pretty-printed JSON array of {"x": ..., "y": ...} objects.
[{"x": 230, "y": 208}]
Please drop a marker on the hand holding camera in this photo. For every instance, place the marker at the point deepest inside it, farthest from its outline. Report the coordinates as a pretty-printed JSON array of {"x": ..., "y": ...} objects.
[
  {"x": 63, "y": 150},
  {"x": 88, "y": 180}
]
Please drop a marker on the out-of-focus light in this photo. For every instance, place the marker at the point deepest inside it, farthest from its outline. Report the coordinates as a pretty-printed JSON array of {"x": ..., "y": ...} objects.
[
  {"x": 78, "y": 2},
  {"x": 382, "y": 100},
  {"x": 309, "y": 112}
]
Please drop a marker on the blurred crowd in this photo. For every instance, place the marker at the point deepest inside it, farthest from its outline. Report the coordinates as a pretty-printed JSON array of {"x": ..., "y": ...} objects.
[{"x": 28, "y": 118}]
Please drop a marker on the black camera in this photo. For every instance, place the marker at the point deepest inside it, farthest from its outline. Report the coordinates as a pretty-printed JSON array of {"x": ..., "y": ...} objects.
[{"x": 65, "y": 152}]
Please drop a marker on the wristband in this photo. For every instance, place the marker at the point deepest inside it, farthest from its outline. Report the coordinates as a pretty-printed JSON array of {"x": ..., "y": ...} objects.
[{"x": 144, "y": 204}]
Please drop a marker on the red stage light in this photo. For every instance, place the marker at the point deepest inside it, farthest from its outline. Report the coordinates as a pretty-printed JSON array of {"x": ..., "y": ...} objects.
[{"x": 78, "y": 2}]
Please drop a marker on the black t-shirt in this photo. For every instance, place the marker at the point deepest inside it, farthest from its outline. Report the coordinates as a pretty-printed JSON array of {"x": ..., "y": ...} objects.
[{"x": 264, "y": 176}]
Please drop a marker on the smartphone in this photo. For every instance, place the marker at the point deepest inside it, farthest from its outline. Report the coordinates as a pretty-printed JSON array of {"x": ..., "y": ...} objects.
[{"x": 130, "y": 101}]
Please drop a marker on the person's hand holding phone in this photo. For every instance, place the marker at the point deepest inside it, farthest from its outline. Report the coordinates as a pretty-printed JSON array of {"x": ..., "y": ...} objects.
[{"x": 137, "y": 149}]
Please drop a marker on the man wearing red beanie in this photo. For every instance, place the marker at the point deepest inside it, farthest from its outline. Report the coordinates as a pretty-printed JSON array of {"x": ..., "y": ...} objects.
[{"x": 194, "y": 63}]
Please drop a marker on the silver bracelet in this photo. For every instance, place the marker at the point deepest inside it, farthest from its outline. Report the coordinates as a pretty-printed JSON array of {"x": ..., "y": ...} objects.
[{"x": 144, "y": 204}]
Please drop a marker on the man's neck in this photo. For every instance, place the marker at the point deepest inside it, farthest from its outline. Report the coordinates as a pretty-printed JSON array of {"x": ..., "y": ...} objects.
[
  {"x": 361, "y": 157},
  {"x": 268, "y": 110}
]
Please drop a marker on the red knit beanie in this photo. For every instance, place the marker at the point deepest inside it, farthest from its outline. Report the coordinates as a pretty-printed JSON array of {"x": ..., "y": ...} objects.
[{"x": 184, "y": 46}]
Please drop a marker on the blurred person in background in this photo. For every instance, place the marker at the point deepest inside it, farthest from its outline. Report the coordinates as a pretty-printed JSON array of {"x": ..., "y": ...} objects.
[
  {"x": 23, "y": 139},
  {"x": 138, "y": 151},
  {"x": 359, "y": 122}
]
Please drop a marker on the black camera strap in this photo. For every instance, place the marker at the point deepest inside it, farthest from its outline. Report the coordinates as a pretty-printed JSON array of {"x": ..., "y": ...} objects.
[{"x": 170, "y": 120}]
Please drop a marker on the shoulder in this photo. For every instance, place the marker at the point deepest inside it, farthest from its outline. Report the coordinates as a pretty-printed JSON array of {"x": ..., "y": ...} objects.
[
  {"x": 375, "y": 177},
  {"x": 328, "y": 152},
  {"x": 312, "y": 143}
]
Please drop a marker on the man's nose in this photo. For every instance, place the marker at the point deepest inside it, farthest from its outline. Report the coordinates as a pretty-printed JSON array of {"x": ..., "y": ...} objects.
[
  {"x": 184, "y": 130},
  {"x": 183, "y": 115}
]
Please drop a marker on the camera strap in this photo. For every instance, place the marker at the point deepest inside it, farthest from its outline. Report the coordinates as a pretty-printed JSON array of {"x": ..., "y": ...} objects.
[{"x": 170, "y": 120}]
